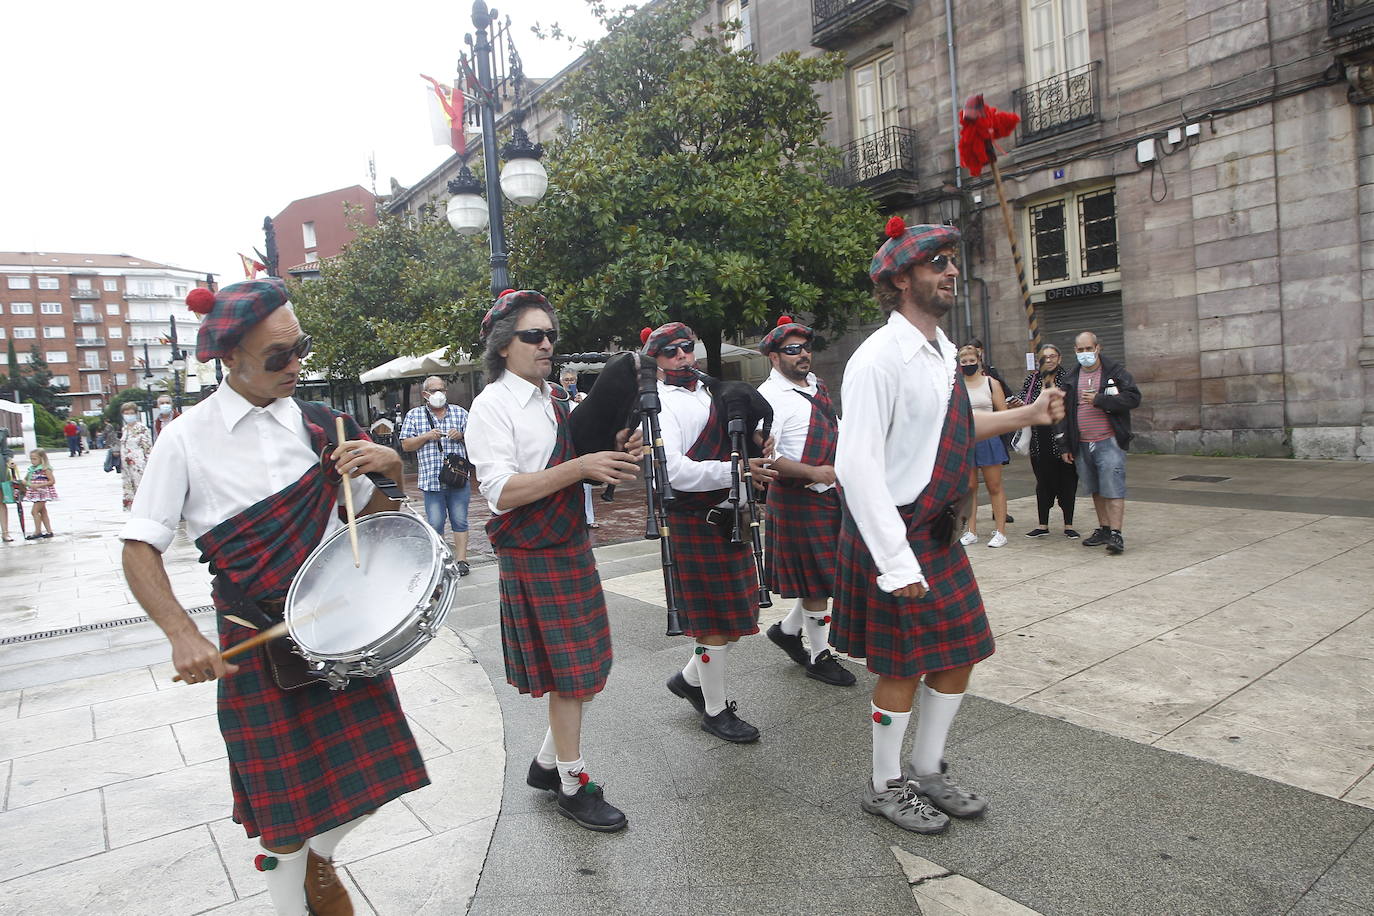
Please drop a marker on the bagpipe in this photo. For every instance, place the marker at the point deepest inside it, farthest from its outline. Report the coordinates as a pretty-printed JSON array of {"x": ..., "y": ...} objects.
[{"x": 625, "y": 397}]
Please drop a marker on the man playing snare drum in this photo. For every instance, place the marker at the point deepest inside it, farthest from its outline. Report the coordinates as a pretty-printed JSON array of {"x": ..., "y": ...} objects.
[{"x": 251, "y": 473}]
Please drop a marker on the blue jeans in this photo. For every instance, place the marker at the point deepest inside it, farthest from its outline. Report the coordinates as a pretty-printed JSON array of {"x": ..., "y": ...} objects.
[
  {"x": 1102, "y": 468},
  {"x": 450, "y": 504}
]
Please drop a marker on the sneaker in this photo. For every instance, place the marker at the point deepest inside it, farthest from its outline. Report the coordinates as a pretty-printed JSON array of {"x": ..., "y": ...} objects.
[
  {"x": 323, "y": 890},
  {"x": 1037, "y": 532},
  {"x": 900, "y": 804},
  {"x": 541, "y": 778},
  {"x": 1071, "y": 534},
  {"x": 940, "y": 791},
  {"x": 969, "y": 539},
  {"x": 1116, "y": 544},
  {"x": 792, "y": 645},
  {"x": 828, "y": 670},
  {"x": 463, "y": 568},
  {"x": 729, "y": 727},
  {"x": 677, "y": 684},
  {"x": 998, "y": 539},
  {"x": 1010, "y": 518},
  {"x": 589, "y": 808},
  {"x": 1097, "y": 538}
]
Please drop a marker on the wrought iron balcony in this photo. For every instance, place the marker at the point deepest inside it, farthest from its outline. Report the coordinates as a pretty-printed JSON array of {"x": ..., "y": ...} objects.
[
  {"x": 90, "y": 341},
  {"x": 1345, "y": 17},
  {"x": 88, "y": 319},
  {"x": 85, "y": 294},
  {"x": 834, "y": 23},
  {"x": 883, "y": 162},
  {"x": 1061, "y": 103},
  {"x": 96, "y": 368}
]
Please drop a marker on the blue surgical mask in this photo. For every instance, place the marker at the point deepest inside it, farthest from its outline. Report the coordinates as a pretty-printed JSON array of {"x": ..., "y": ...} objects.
[
  {"x": 572, "y": 389},
  {"x": 1087, "y": 360}
]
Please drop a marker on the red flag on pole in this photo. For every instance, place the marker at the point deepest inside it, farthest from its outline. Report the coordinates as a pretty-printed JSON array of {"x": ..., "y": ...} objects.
[{"x": 446, "y": 116}]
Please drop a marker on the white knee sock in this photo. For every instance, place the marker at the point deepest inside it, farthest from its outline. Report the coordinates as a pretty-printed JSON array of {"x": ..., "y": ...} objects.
[
  {"x": 817, "y": 624},
  {"x": 792, "y": 623},
  {"x": 570, "y": 772},
  {"x": 284, "y": 873},
  {"x": 889, "y": 728},
  {"x": 547, "y": 756},
  {"x": 932, "y": 728},
  {"x": 327, "y": 842},
  {"x": 692, "y": 673},
  {"x": 711, "y": 668}
]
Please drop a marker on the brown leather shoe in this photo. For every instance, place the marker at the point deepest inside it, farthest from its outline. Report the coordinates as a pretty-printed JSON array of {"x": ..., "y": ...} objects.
[{"x": 323, "y": 889}]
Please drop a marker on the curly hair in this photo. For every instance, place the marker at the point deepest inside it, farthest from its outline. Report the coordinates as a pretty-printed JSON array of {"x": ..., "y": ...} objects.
[
  {"x": 887, "y": 294},
  {"x": 502, "y": 333}
]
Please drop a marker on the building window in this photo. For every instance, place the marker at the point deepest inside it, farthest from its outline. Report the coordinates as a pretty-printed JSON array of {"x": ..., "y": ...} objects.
[
  {"x": 2, "y": 333},
  {"x": 181, "y": 290},
  {"x": 1056, "y": 37},
  {"x": 875, "y": 95},
  {"x": 84, "y": 283},
  {"x": 738, "y": 10},
  {"x": 92, "y": 359},
  {"x": 19, "y": 282},
  {"x": 1073, "y": 237},
  {"x": 111, "y": 286},
  {"x": 51, "y": 308},
  {"x": 112, "y": 308},
  {"x": 308, "y": 232},
  {"x": 54, "y": 332},
  {"x": 56, "y": 356},
  {"x": 116, "y": 356},
  {"x": 93, "y": 383},
  {"x": 61, "y": 381},
  {"x": 47, "y": 283},
  {"x": 89, "y": 334},
  {"x": 21, "y": 308},
  {"x": 115, "y": 331},
  {"x": 25, "y": 333},
  {"x": 121, "y": 379}
]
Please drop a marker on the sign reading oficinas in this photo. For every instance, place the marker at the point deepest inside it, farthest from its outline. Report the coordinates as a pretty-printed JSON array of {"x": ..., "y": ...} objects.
[{"x": 1076, "y": 291}]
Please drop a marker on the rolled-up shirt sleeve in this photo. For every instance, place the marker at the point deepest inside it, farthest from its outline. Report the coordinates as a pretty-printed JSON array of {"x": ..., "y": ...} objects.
[
  {"x": 684, "y": 473},
  {"x": 870, "y": 396},
  {"x": 492, "y": 451},
  {"x": 162, "y": 493}
]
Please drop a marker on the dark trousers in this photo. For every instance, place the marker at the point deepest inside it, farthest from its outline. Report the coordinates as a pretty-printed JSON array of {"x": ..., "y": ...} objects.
[
  {"x": 73, "y": 446},
  {"x": 1055, "y": 479}
]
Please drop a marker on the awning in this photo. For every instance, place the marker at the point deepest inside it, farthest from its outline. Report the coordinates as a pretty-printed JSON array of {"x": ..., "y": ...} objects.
[{"x": 435, "y": 362}]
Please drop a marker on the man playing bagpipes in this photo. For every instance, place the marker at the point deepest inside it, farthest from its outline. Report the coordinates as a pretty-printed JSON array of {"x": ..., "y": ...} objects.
[
  {"x": 252, "y": 473},
  {"x": 554, "y": 631},
  {"x": 905, "y": 596},
  {"x": 719, "y": 597},
  {"x": 803, "y": 503}
]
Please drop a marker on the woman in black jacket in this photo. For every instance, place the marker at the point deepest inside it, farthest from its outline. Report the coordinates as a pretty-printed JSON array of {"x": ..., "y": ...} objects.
[{"x": 1055, "y": 480}]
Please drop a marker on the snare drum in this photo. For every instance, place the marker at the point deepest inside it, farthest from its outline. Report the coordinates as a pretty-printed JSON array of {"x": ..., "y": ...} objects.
[{"x": 349, "y": 621}]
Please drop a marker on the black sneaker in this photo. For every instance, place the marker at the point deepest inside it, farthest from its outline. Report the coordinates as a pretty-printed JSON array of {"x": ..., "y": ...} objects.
[
  {"x": 792, "y": 645},
  {"x": 1097, "y": 538},
  {"x": 1009, "y": 518},
  {"x": 541, "y": 778},
  {"x": 828, "y": 670},
  {"x": 1071, "y": 534},
  {"x": 589, "y": 808},
  {"x": 1116, "y": 544},
  {"x": 677, "y": 684},
  {"x": 463, "y": 568},
  {"x": 729, "y": 727},
  {"x": 1037, "y": 532}
]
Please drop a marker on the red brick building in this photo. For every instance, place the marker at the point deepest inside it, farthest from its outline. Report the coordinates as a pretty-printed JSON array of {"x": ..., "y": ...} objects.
[{"x": 318, "y": 227}]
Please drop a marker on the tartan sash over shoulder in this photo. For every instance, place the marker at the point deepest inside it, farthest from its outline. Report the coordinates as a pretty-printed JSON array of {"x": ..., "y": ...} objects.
[
  {"x": 261, "y": 549},
  {"x": 822, "y": 438},
  {"x": 712, "y": 445},
  {"x": 548, "y": 521}
]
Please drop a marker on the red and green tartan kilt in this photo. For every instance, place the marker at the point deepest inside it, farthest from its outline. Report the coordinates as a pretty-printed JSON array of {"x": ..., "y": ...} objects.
[
  {"x": 803, "y": 536},
  {"x": 306, "y": 760},
  {"x": 554, "y": 629},
  {"x": 907, "y": 637},
  {"x": 720, "y": 585}
]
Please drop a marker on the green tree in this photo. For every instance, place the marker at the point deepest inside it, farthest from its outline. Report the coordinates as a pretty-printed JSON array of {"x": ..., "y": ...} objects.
[
  {"x": 693, "y": 188},
  {"x": 401, "y": 287},
  {"x": 33, "y": 381}
]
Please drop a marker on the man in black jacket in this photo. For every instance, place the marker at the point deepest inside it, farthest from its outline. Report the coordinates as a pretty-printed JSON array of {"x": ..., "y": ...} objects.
[{"x": 1099, "y": 395}]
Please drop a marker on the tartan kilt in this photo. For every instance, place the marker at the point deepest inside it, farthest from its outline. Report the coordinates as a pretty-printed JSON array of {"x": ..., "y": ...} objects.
[
  {"x": 554, "y": 630},
  {"x": 907, "y": 637},
  {"x": 306, "y": 760},
  {"x": 803, "y": 533},
  {"x": 720, "y": 585}
]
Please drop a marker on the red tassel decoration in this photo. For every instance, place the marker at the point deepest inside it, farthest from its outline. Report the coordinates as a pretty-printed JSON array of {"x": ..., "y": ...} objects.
[
  {"x": 200, "y": 300},
  {"x": 784, "y": 320},
  {"x": 264, "y": 862},
  {"x": 644, "y": 335},
  {"x": 895, "y": 227}
]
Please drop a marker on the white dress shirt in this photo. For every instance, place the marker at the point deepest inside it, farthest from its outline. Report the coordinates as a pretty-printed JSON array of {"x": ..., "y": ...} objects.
[
  {"x": 220, "y": 457},
  {"x": 896, "y": 394},
  {"x": 512, "y": 429},
  {"x": 682, "y": 420},
  {"x": 791, "y": 416}
]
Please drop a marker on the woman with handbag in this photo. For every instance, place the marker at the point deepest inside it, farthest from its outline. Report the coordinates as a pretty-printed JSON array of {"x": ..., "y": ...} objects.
[
  {"x": 435, "y": 433},
  {"x": 1055, "y": 480}
]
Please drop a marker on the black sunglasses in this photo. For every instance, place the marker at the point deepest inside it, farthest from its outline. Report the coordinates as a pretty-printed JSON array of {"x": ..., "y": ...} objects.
[
  {"x": 941, "y": 261},
  {"x": 672, "y": 350},
  {"x": 794, "y": 349},
  {"x": 535, "y": 336},
  {"x": 279, "y": 360}
]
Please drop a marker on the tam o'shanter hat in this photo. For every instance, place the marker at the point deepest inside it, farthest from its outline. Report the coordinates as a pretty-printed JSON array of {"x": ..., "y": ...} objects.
[
  {"x": 508, "y": 303},
  {"x": 659, "y": 338},
  {"x": 229, "y": 314},
  {"x": 785, "y": 328},
  {"x": 908, "y": 245}
]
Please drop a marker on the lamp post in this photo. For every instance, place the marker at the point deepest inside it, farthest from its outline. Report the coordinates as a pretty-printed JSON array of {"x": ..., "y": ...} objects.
[
  {"x": 178, "y": 364},
  {"x": 147, "y": 384},
  {"x": 523, "y": 179}
]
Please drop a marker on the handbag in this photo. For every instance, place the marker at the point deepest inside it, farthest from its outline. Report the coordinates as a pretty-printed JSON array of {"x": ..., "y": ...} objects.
[
  {"x": 1020, "y": 443},
  {"x": 948, "y": 525},
  {"x": 453, "y": 470}
]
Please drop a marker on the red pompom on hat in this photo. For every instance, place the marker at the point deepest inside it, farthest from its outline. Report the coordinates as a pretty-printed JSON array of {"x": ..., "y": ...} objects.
[
  {"x": 895, "y": 227},
  {"x": 786, "y": 325},
  {"x": 504, "y": 293},
  {"x": 644, "y": 335},
  {"x": 784, "y": 320},
  {"x": 200, "y": 300}
]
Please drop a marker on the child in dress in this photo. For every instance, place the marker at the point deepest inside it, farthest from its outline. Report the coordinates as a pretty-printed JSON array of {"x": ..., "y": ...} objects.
[{"x": 40, "y": 487}]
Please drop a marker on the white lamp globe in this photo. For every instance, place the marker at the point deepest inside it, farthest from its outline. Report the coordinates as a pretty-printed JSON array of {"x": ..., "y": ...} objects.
[
  {"x": 524, "y": 181},
  {"x": 467, "y": 213}
]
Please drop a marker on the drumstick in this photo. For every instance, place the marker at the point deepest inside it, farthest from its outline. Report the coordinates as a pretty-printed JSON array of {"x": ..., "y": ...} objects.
[{"x": 348, "y": 501}]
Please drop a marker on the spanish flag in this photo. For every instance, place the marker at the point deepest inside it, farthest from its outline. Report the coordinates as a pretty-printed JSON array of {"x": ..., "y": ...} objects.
[
  {"x": 251, "y": 267},
  {"x": 446, "y": 116}
]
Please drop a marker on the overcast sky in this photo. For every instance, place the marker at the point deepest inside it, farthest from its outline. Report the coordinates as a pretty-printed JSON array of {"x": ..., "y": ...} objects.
[{"x": 168, "y": 130}]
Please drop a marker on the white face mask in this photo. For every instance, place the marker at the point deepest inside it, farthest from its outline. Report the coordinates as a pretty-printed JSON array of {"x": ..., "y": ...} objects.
[
  {"x": 164, "y": 409},
  {"x": 1087, "y": 360},
  {"x": 130, "y": 417},
  {"x": 438, "y": 399}
]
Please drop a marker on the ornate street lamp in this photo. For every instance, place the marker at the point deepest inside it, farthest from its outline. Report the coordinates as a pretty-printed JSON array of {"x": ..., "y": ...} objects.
[
  {"x": 178, "y": 365},
  {"x": 147, "y": 384}
]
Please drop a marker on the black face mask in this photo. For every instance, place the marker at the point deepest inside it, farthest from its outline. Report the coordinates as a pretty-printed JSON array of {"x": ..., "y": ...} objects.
[{"x": 969, "y": 370}]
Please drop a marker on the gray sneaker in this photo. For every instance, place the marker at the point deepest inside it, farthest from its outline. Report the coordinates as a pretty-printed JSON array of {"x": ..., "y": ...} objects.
[
  {"x": 900, "y": 804},
  {"x": 940, "y": 791}
]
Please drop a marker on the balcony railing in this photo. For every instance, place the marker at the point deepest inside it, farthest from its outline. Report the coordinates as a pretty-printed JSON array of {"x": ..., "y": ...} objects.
[
  {"x": 884, "y": 162},
  {"x": 1061, "y": 103},
  {"x": 835, "y": 23},
  {"x": 85, "y": 294},
  {"x": 90, "y": 341},
  {"x": 95, "y": 368},
  {"x": 88, "y": 319},
  {"x": 1345, "y": 17}
]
